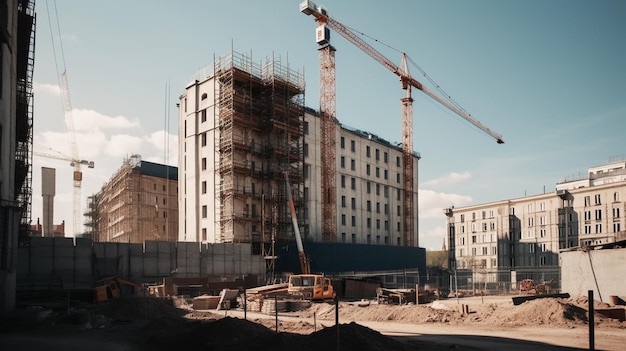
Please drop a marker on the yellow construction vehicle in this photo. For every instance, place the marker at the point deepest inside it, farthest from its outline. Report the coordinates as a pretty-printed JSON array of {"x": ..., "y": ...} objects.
[
  {"x": 110, "y": 288},
  {"x": 306, "y": 285}
]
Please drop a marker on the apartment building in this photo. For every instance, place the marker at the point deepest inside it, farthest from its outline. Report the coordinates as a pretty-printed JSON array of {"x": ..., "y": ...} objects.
[
  {"x": 243, "y": 128},
  {"x": 370, "y": 192},
  {"x": 526, "y": 234},
  {"x": 138, "y": 203}
]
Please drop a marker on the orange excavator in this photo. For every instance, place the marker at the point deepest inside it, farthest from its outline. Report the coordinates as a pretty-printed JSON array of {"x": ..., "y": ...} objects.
[{"x": 306, "y": 285}]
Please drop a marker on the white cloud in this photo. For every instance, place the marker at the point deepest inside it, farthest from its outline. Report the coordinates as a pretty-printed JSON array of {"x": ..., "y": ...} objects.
[
  {"x": 45, "y": 88},
  {"x": 85, "y": 119},
  {"x": 450, "y": 178},
  {"x": 158, "y": 141},
  {"x": 121, "y": 145},
  {"x": 432, "y": 203}
]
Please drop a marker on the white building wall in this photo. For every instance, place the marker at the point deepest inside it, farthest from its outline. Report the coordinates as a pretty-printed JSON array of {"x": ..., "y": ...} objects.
[{"x": 199, "y": 194}]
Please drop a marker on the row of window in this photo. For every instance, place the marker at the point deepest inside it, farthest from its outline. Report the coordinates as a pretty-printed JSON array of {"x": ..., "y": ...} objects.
[
  {"x": 369, "y": 239},
  {"x": 368, "y": 223}
]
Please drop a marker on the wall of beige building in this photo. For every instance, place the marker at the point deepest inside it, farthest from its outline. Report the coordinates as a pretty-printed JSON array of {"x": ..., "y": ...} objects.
[
  {"x": 369, "y": 187},
  {"x": 530, "y": 231}
]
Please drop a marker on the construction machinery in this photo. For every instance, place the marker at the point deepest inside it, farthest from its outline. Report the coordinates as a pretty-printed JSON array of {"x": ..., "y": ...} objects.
[
  {"x": 306, "y": 285},
  {"x": 327, "y": 116},
  {"x": 111, "y": 287}
]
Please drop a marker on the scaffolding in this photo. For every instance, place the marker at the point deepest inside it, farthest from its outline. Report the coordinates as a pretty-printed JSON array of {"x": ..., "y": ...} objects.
[
  {"x": 24, "y": 112},
  {"x": 260, "y": 118}
]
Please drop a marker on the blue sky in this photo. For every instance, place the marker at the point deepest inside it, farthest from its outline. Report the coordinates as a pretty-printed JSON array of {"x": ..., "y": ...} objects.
[{"x": 547, "y": 75}]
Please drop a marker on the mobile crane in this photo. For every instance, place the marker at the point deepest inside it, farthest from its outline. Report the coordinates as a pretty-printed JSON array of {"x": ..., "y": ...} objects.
[
  {"x": 306, "y": 285},
  {"x": 327, "y": 109}
]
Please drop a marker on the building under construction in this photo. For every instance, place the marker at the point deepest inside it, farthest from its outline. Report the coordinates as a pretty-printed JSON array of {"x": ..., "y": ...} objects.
[
  {"x": 17, "y": 59},
  {"x": 246, "y": 125},
  {"x": 241, "y": 132},
  {"x": 138, "y": 203}
]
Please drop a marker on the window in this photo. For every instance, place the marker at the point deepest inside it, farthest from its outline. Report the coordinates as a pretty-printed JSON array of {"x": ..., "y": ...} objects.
[
  {"x": 343, "y": 237},
  {"x": 598, "y": 228},
  {"x": 385, "y": 174},
  {"x": 587, "y": 200},
  {"x": 369, "y": 206},
  {"x": 398, "y": 178},
  {"x": 305, "y": 150},
  {"x": 203, "y": 115},
  {"x": 398, "y": 161},
  {"x": 203, "y": 139},
  {"x": 598, "y": 214},
  {"x": 343, "y": 181},
  {"x": 616, "y": 227},
  {"x": 369, "y": 222},
  {"x": 616, "y": 212},
  {"x": 343, "y": 201},
  {"x": 203, "y": 163},
  {"x": 306, "y": 127},
  {"x": 543, "y": 247},
  {"x": 163, "y": 187},
  {"x": 352, "y": 146},
  {"x": 377, "y": 154},
  {"x": 378, "y": 224},
  {"x": 386, "y": 208},
  {"x": 485, "y": 250},
  {"x": 343, "y": 162},
  {"x": 204, "y": 234},
  {"x": 369, "y": 187},
  {"x": 597, "y": 199},
  {"x": 386, "y": 191},
  {"x": 353, "y": 183},
  {"x": 385, "y": 157},
  {"x": 615, "y": 197},
  {"x": 377, "y": 189},
  {"x": 367, "y": 169},
  {"x": 204, "y": 96},
  {"x": 531, "y": 248},
  {"x": 368, "y": 152},
  {"x": 353, "y": 221},
  {"x": 343, "y": 142},
  {"x": 378, "y": 207},
  {"x": 353, "y": 164},
  {"x": 343, "y": 219},
  {"x": 353, "y": 203},
  {"x": 204, "y": 211},
  {"x": 542, "y": 206},
  {"x": 377, "y": 172},
  {"x": 353, "y": 238}
]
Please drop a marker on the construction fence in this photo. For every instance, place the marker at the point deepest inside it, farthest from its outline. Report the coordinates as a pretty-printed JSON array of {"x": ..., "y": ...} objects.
[{"x": 62, "y": 264}]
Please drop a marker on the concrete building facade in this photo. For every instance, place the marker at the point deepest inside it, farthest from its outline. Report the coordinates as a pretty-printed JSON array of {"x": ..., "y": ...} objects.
[
  {"x": 370, "y": 195},
  {"x": 241, "y": 129},
  {"x": 139, "y": 203},
  {"x": 525, "y": 235},
  {"x": 17, "y": 55}
]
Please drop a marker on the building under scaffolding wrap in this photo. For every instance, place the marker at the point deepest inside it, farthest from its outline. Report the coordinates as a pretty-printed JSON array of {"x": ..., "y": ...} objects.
[
  {"x": 17, "y": 55},
  {"x": 240, "y": 131}
]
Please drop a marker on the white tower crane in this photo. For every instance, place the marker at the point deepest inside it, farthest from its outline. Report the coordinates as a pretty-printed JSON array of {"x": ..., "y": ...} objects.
[{"x": 76, "y": 162}]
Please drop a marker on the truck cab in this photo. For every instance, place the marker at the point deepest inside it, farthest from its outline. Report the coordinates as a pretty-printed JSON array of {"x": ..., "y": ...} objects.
[{"x": 311, "y": 287}]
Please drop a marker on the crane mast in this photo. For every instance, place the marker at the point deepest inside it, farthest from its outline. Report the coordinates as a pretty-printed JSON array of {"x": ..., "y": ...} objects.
[
  {"x": 76, "y": 162},
  {"x": 407, "y": 81}
]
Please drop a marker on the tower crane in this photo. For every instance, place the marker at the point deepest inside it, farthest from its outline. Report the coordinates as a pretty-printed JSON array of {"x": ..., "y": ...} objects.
[
  {"x": 76, "y": 162},
  {"x": 407, "y": 82},
  {"x": 77, "y": 177}
]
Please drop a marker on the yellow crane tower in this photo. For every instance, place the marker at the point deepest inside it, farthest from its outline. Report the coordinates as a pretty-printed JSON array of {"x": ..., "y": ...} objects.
[{"x": 327, "y": 104}]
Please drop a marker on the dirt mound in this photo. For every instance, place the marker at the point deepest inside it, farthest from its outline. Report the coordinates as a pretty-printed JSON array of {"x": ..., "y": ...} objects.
[
  {"x": 230, "y": 333},
  {"x": 138, "y": 308}
]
